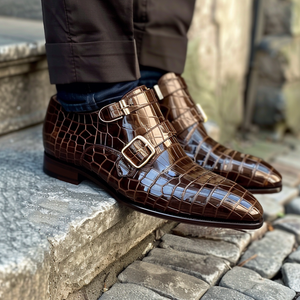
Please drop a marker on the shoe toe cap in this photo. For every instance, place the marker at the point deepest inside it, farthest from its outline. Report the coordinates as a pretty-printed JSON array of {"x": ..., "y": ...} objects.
[
  {"x": 230, "y": 202},
  {"x": 267, "y": 175}
]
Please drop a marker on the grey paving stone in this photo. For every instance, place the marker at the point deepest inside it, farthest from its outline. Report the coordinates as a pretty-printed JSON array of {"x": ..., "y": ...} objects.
[
  {"x": 207, "y": 268},
  {"x": 221, "y": 293},
  {"x": 272, "y": 209},
  {"x": 164, "y": 281},
  {"x": 293, "y": 207},
  {"x": 239, "y": 238},
  {"x": 270, "y": 253},
  {"x": 253, "y": 285},
  {"x": 295, "y": 256},
  {"x": 290, "y": 223},
  {"x": 291, "y": 275},
  {"x": 284, "y": 197},
  {"x": 201, "y": 246},
  {"x": 130, "y": 291}
]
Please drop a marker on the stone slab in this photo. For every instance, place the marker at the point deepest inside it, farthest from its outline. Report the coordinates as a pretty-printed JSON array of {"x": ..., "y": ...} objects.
[
  {"x": 290, "y": 223},
  {"x": 207, "y": 268},
  {"x": 253, "y": 285},
  {"x": 270, "y": 253},
  {"x": 284, "y": 197},
  {"x": 25, "y": 87},
  {"x": 221, "y": 293},
  {"x": 239, "y": 238},
  {"x": 220, "y": 249},
  {"x": 28, "y": 9},
  {"x": 164, "y": 281},
  {"x": 20, "y": 39},
  {"x": 295, "y": 256},
  {"x": 291, "y": 275},
  {"x": 293, "y": 207},
  {"x": 272, "y": 209},
  {"x": 130, "y": 291},
  {"x": 25, "y": 91},
  {"x": 56, "y": 237}
]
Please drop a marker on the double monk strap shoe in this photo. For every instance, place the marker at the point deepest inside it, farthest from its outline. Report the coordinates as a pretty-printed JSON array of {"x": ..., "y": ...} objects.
[
  {"x": 249, "y": 171},
  {"x": 129, "y": 149}
]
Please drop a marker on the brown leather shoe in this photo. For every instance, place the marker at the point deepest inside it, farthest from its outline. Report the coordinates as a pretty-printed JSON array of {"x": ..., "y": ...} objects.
[
  {"x": 129, "y": 149},
  {"x": 249, "y": 171}
]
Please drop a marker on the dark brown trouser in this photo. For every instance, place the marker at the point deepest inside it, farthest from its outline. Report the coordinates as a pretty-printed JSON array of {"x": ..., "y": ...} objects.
[{"x": 106, "y": 40}]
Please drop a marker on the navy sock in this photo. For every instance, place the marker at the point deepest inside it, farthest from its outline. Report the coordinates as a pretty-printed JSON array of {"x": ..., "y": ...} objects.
[
  {"x": 83, "y": 97},
  {"x": 150, "y": 76}
]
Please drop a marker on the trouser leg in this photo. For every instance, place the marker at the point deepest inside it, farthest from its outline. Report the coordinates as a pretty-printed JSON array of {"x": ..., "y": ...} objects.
[
  {"x": 160, "y": 29},
  {"x": 90, "y": 41}
]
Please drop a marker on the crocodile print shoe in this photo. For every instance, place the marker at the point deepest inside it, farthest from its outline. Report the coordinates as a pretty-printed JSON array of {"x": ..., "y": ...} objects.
[
  {"x": 177, "y": 106},
  {"x": 129, "y": 149}
]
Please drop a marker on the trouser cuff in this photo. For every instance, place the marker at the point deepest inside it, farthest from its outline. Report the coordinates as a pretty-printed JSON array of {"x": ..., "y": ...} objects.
[
  {"x": 164, "y": 52},
  {"x": 112, "y": 61}
]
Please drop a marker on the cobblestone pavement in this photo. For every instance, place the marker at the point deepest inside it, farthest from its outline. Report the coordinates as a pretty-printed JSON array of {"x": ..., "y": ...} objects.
[{"x": 205, "y": 263}]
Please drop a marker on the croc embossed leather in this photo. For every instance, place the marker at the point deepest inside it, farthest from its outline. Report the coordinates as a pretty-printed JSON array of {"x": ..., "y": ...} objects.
[
  {"x": 129, "y": 149},
  {"x": 177, "y": 106}
]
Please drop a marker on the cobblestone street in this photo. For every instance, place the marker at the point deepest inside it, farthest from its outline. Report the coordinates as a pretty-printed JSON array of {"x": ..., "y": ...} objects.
[
  {"x": 62, "y": 241},
  {"x": 206, "y": 263}
]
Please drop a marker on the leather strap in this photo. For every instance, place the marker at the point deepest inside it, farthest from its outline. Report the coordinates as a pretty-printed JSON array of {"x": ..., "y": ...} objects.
[
  {"x": 116, "y": 111},
  {"x": 187, "y": 119},
  {"x": 177, "y": 83}
]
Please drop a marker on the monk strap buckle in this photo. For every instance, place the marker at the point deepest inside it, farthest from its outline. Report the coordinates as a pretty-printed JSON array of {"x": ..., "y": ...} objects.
[
  {"x": 201, "y": 112},
  {"x": 123, "y": 107},
  {"x": 147, "y": 145},
  {"x": 158, "y": 92}
]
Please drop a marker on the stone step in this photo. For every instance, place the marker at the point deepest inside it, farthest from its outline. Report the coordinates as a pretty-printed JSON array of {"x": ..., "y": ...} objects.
[
  {"x": 56, "y": 237},
  {"x": 24, "y": 81}
]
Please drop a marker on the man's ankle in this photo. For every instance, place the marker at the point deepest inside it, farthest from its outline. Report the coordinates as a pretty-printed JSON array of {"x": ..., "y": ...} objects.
[{"x": 84, "y": 97}]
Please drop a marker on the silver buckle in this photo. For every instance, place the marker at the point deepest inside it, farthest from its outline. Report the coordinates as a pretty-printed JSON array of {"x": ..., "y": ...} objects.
[
  {"x": 147, "y": 144},
  {"x": 124, "y": 108},
  {"x": 158, "y": 92},
  {"x": 201, "y": 111}
]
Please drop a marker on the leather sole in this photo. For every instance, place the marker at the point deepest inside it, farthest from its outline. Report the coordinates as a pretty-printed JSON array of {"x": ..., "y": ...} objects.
[
  {"x": 75, "y": 175},
  {"x": 265, "y": 190}
]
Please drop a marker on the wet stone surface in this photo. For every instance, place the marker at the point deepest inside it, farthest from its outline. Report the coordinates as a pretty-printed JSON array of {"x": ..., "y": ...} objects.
[
  {"x": 293, "y": 207},
  {"x": 220, "y": 249},
  {"x": 253, "y": 285},
  {"x": 207, "y": 268},
  {"x": 239, "y": 238},
  {"x": 130, "y": 291},
  {"x": 269, "y": 253},
  {"x": 272, "y": 209},
  {"x": 289, "y": 223},
  {"x": 295, "y": 256},
  {"x": 291, "y": 275},
  {"x": 221, "y": 293},
  {"x": 164, "y": 281}
]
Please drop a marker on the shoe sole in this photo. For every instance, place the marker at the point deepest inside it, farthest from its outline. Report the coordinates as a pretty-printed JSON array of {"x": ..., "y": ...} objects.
[
  {"x": 265, "y": 190},
  {"x": 75, "y": 175}
]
